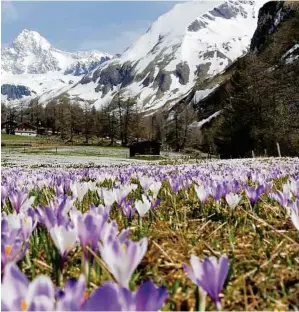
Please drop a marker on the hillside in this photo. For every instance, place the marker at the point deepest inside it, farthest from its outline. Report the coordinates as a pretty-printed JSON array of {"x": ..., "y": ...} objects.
[
  {"x": 194, "y": 39},
  {"x": 258, "y": 95}
]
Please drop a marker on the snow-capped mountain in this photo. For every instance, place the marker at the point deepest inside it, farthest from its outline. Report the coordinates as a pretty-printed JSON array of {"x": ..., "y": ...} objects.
[
  {"x": 30, "y": 53},
  {"x": 32, "y": 62},
  {"x": 195, "y": 40}
]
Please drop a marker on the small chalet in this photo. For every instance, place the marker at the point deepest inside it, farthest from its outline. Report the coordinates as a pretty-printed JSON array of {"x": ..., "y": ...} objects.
[
  {"x": 145, "y": 148},
  {"x": 25, "y": 130},
  {"x": 13, "y": 127}
]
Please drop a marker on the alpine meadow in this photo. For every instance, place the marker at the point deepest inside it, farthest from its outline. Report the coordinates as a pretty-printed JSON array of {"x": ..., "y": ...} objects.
[{"x": 150, "y": 168}]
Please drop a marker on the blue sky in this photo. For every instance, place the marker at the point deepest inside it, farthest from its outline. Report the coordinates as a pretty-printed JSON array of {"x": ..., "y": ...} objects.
[{"x": 73, "y": 25}]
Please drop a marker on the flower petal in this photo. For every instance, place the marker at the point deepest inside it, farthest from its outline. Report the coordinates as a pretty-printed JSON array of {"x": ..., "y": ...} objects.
[
  {"x": 149, "y": 297},
  {"x": 104, "y": 298}
]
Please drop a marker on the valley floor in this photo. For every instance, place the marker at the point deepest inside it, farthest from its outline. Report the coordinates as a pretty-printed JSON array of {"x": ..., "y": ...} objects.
[{"x": 61, "y": 156}]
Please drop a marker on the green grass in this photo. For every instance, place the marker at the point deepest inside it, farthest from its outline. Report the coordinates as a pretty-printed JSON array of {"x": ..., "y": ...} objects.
[
  {"x": 10, "y": 137},
  {"x": 54, "y": 139}
]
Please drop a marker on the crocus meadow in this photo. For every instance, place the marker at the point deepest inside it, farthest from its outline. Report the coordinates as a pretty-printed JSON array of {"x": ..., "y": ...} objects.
[{"x": 219, "y": 234}]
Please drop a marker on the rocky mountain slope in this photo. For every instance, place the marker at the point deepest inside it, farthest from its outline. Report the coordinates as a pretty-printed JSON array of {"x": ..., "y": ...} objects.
[
  {"x": 194, "y": 39},
  {"x": 30, "y": 65},
  {"x": 255, "y": 101}
]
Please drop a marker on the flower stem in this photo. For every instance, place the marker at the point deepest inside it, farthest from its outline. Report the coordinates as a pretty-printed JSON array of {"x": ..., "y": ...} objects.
[
  {"x": 60, "y": 271},
  {"x": 85, "y": 265},
  {"x": 202, "y": 299},
  {"x": 140, "y": 221},
  {"x": 174, "y": 208},
  {"x": 218, "y": 305}
]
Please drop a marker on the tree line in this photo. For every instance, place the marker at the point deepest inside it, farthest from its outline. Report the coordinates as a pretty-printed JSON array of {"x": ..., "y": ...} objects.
[
  {"x": 122, "y": 120},
  {"x": 261, "y": 111}
]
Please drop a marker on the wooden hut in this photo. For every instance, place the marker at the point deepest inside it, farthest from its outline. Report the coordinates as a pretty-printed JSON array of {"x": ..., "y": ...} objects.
[{"x": 145, "y": 148}]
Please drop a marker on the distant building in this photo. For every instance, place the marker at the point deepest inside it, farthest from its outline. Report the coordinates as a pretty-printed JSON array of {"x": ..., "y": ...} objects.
[
  {"x": 145, "y": 148},
  {"x": 25, "y": 129}
]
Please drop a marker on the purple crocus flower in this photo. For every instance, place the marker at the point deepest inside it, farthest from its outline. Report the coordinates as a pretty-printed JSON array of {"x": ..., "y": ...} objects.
[
  {"x": 111, "y": 297},
  {"x": 175, "y": 184},
  {"x": 149, "y": 297},
  {"x": 62, "y": 204},
  {"x": 127, "y": 208},
  {"x": 209, "y": 275},
  {"x": 13, "y": 247},
  {"x": 281, "y": 198},
  {"x": 216, "y": 191},
  {"x": 253, "y": 193},
  {"x": 154, "y": 202},
  {"x": 59, "y": 190},
  {"x": 73, "y": 295},
  {"x": 88, "y": 227},
  {"x": 18, "y": 294},
  {"x": 294, "y": 186},
  {"x": 101, "y": 209},
  {"x": 4, "y": 192},
  {"x": 267, "y": 186},
  {"x": 52, "y": 216},
  {"x": 295, "y": 214},
  {"x": 235, "y": 187},
  {"x": 110, "y": 232},
  {"x": 122, "y": 258},
  {"x": 20, "y": 200}
]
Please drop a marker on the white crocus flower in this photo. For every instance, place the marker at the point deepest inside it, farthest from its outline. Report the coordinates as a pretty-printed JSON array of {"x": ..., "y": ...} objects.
[
  {"x": 14, "y": 221},
  {"x": 79, "y": 189},
  {"x": 155, "y": 188},
  {"x": 202, "y": 193},
  {"x": 109, "y": 196},
  {"x": 286, "y": 189},
  {"x": 232, "y": 200},
  {"x": 64, "y": 240},
  {"x": 294, "y": 186},
  {"x": 143, "y": 206},
  {"x": 145, "y": 182},
  {"x": 295, "y": 214}
]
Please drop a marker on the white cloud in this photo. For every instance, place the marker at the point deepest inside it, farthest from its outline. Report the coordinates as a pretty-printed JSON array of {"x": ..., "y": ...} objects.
[
  {"x": 8, "y": 12},
  {"x": 120, "y": 40}
]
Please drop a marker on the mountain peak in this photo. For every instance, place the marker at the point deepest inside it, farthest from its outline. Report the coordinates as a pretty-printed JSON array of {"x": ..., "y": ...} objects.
[
  {"x": 31, "y": 53},
  {"x": 31, "y": 39}
]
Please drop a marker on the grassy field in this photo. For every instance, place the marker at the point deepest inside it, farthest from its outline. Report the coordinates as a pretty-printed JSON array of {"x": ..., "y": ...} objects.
[
  {"x": 10, "y": 137},
  {"x": 68, "y": 150}
]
